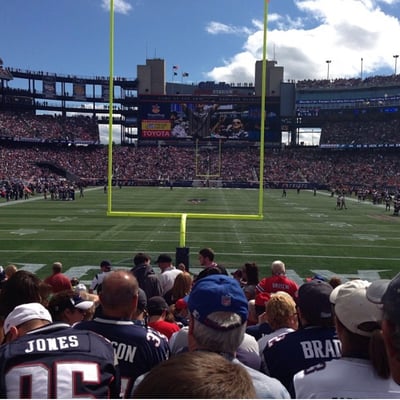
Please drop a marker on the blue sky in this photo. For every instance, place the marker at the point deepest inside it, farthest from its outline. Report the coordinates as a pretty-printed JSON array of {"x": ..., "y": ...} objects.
[{"x": 217, "y": 40}]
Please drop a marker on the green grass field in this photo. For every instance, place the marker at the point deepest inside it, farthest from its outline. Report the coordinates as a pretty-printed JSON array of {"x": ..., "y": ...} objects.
[{"x": 303, "y": 230}]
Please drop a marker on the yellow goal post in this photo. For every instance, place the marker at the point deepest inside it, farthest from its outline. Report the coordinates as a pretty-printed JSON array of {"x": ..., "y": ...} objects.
[{"x": 184, "y": 216}]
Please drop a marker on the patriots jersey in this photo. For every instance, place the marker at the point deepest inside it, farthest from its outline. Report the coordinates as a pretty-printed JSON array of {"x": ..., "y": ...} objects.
[
  {"x": 292, "y": 352},
  {"x": 57, "y": 361},
  {"x": 138, "y": 348},
  {"x": 344, "y": 378}
]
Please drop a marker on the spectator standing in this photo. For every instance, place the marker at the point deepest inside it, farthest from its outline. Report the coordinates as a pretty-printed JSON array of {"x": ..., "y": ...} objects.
[
  {"x": 250, "y": 279},
  {"x": 168, "y": 272},
  {"x": 363, "y": 353},
  {"x": 145, "y": 275},
  {"x": 158, "y": 311},
  {"x": 137, "y": 347},
  {"x": 278, "y": 281},
  {"x": 57, "y": 280},
  {"x": 54, "y": 360},
  {"x": 181, "y": 288},
  {"x": 207, "y": 259},
  {"x": 218, "y": 316},
  {"x": 314, "y": 342},
  {"x": 386, "y": 293},
  {"x": 105, "y": 268}
]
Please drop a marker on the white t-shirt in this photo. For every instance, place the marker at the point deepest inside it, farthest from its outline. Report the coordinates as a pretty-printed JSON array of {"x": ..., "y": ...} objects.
[
  {"x": 167, "y": 278},
  {"x": 343, "y": 378},
  {"x": 98, "y": 280}
]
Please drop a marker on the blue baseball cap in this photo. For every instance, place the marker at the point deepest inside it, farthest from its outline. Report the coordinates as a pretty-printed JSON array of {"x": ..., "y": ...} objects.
[{"x": 217, "y": 293}]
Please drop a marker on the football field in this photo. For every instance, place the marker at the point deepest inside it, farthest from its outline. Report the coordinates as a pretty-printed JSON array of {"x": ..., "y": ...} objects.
[{"x": 303, "y": 230}]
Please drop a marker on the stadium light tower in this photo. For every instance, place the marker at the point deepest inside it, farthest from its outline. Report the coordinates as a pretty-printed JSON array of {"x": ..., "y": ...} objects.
[
  {"x": 396, "y": 56},
  {"x": 328, "y": 63}
]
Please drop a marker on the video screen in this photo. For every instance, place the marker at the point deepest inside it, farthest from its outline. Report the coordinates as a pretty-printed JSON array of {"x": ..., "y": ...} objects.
[{"x": 200, "y": 118}]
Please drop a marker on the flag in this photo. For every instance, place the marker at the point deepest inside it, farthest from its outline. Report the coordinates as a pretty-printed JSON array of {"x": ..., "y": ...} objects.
[
  {"x": 175, "y": 67},
  {"x": 185, "y": 74}
]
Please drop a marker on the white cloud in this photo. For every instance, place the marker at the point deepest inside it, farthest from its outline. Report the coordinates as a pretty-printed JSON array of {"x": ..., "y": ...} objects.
[
  {"x": 215, "y": 28},
  {"x": 120, "y": 6},
  {"x": 343, "y": 31}
]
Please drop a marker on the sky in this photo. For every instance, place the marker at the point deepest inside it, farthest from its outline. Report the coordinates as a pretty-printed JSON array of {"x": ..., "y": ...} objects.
[{"x": 210, "y": 40}]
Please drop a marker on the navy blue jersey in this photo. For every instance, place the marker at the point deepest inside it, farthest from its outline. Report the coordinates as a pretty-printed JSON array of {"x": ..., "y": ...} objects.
[
  {"x": 259, "y": 330},
  {"x": 138, "y": 348},
  {"x": 57, "y": 361},
  {"x": 292, "y": 352}
]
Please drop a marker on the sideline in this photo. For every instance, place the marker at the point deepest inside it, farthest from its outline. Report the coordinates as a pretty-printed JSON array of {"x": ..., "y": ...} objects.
[{"x": 40, "y": 197}]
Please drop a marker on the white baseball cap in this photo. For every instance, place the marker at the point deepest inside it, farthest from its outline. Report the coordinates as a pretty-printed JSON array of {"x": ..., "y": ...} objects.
[
  {"x": 24, "y": 313},
  {"x": 353, "y": 309}
]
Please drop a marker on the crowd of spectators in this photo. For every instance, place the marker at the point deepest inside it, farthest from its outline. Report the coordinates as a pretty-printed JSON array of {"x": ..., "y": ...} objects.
[
  {"x": 361, "y": 132},
  {"x": 378, "y": 80},
  {"x": 40, "y": 162},
  {"x": 315, "y": 335},
  {"x": 351, "y": 169},
  {"x": 48, "y": 128}
]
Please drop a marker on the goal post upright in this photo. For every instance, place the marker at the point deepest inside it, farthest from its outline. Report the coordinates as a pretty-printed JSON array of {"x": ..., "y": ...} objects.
[{"x": 184, "y": 216}]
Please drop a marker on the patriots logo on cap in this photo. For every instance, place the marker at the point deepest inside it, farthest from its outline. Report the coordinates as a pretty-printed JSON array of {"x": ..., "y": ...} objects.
[{"x": 226, "y": 300}]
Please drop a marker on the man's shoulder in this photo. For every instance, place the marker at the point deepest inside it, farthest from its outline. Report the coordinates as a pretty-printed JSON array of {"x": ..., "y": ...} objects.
[
  {"x": 266, "y": 386},
  {"x": 124, "y": 330}
]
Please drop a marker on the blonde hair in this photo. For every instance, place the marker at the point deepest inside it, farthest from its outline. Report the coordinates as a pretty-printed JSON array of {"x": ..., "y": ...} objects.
[{"x": 279, "y": 309}]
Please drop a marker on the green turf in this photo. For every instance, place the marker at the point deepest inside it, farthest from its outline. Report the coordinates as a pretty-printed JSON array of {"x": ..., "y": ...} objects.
[{"x": 303, "y": 230}]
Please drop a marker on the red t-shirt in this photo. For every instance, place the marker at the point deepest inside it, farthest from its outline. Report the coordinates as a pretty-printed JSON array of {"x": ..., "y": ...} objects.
[
  {"x": 59, "y": 282},
  {"x": 164, "y": 327},
  {"x": 272, "y": 284}
]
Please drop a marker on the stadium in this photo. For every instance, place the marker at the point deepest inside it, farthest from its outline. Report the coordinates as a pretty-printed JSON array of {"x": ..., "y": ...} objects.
[{"x": 196, "y": 149}]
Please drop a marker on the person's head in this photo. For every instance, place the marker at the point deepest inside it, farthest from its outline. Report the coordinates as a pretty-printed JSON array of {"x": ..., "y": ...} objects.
[
  {"x": 313, "y": 304},
  {"x": 386, "y": 293},
  {"x": 119, "y": 295},
  {"x": 278, "y": 268},
  {"x": 218, "y": 314},
  {"x": 22, "y": 287},
  {"x": 67, "y": 306},
  {"x": 105, "y": 266},
  {"x": 335, "y": 281},
  {"x": 164, "y": 261},
  {"x": 237, "y": 125},
  {"x": 74, "y": 281},
  {"x": 238, "y": 275},
  {"x": 206, "y": 256},
  {"x": 196, "y": 375},
  {"x": 141, "y": 310},
  {"x": 357, "y": 322},
  {"x": 182, "y": 285},
  {"x": 57, "y": 267},
  {"x": 250, "y": 273},
  {"x": 141, "y": 258},
  {"x": 281, "y": 311},
  {"x": 157, "y": 306},
  {"x": 9, "y": 270},
  {"x": 214, "y": 270},
  {"x": 181, "y": 266},
  {"x": 24, "y": 318}
]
